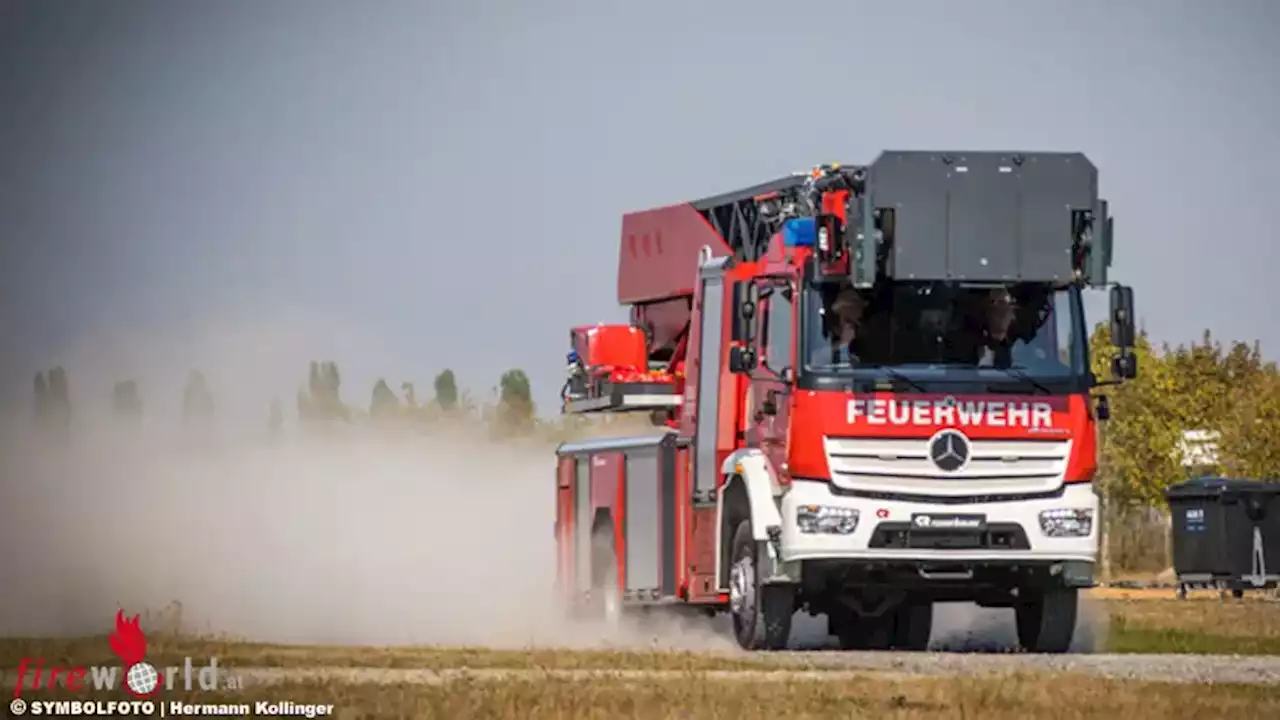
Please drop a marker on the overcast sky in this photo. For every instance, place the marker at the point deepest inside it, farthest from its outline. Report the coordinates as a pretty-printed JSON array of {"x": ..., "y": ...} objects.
[{"x": 405, "y": 186}]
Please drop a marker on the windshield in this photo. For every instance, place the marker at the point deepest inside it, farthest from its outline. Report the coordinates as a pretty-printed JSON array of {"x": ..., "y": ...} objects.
[{"x": 945, "y": 332}]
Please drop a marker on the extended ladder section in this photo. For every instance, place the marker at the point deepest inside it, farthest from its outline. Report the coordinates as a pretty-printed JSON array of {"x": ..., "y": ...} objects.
[
  {"x": 935, "y": 216},
  {"x": 918, "y": 216}
]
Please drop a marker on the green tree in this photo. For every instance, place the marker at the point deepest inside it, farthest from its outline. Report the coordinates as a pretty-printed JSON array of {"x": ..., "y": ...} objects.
[
  {"x": 1139, "y": 456},
  {"x": 446, "y": 386},
  {"x": 1250, "y": 442},
  {"x": 515, "y": 409},
  {"x": 323, "y": 400},
  {"x": 384, "y": 403},
  {"x": 1205, "y": 378},
  {"x": 333, "y": 391}
]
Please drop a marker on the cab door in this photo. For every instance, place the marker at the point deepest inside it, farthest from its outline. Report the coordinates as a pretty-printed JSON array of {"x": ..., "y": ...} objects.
[{"x": 772, "y": 381}]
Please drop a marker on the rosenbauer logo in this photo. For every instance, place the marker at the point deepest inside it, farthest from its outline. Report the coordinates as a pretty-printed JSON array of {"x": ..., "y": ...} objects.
[{"x": 142, "y": 680}]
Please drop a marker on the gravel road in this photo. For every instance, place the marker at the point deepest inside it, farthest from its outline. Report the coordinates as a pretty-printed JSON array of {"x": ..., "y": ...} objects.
[
  {"x": 835, "y": 666},
  {"x": 1173, "y": 668},
  {"x": 841, "y": 666}
]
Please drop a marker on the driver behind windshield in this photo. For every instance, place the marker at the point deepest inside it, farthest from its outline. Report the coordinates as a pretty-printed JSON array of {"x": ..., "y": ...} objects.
[
  {"x": 999, "y": 310},
  {"x": 1016, "y": 332},
  {"x": 845, "y": 315}
]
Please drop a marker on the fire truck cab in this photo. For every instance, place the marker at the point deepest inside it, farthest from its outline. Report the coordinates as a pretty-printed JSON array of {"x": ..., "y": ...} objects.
[{"x": 873, "y": 393}]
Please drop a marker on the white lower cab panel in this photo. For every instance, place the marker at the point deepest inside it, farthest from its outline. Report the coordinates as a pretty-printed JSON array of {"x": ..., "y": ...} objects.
[{"x": 805, "y": 497}]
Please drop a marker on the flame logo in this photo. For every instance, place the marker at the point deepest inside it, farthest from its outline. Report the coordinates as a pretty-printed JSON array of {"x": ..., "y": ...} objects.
[
  {"x": 130, "y": 645},
  {"x": 128, "y": 642}
]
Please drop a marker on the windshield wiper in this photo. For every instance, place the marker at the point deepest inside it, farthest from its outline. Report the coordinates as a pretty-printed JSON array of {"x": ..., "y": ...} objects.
[{"x": 1022, "y": 375}]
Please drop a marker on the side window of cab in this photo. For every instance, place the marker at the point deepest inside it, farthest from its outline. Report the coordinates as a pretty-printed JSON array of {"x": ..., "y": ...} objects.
[{"x": 778, "y": 330}]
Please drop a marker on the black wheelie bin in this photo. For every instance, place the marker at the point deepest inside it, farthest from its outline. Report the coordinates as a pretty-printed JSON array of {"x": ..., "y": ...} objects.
[{"x": 1226, "y": 534}]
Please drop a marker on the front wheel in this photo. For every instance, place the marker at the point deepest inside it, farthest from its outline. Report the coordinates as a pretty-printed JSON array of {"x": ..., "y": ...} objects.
[
  {"x": 761, "y": 613},
  {"x": 1047, "y": 620}
]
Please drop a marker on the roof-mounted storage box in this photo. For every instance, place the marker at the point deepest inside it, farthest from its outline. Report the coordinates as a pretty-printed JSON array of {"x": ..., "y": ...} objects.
[{"x": 989, "y": 216}]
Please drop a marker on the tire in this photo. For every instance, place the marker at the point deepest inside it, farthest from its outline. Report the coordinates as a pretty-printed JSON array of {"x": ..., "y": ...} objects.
[
  {"x": 859, "y": 633},
  {"x": 912, "y": 627},
  {"x": 907, "y": 627},
  {"x": 761, "y": 613},
  {"x": 1047, "y": 621}
]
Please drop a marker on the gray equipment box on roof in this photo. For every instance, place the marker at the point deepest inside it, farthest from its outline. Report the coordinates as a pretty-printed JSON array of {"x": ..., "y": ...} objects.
[{"x": 983, "y": 216}]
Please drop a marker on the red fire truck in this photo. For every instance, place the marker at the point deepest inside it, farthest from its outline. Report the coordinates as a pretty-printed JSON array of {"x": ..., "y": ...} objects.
[{"x": 873, "y": 390}]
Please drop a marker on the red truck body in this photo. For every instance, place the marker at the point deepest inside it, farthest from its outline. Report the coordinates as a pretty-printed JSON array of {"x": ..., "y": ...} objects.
[{"x": 863, "y": 490}]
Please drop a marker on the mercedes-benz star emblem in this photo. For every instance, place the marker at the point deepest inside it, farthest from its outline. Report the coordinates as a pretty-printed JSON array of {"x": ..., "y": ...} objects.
[{"x": 949, "y": 450}]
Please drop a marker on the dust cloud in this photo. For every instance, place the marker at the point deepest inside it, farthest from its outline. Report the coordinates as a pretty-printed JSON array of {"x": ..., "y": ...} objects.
[
  {"x": 357, "y": 539},
  {"x": 346, "y": 540},
  {"x": 965, "y": 627},
  {"x": 362, "y": 537}
]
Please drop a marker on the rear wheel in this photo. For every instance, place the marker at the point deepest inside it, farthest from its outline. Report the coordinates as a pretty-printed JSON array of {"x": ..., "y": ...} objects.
[
  {"x": 761, "y": 613},
  {"x": 912, "y": 626},
  {"x": 907, "y": 627},
  {"x": 1047, "y": 620},
  {"x": 859, "y": 633}
]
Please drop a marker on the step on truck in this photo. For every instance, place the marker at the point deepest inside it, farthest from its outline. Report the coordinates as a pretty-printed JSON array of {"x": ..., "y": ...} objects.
[{"x": 871, "y": 392}]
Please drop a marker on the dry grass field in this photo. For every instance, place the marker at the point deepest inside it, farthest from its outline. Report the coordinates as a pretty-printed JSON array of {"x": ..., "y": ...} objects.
[
  {"x": 1200, "y": 624},
  {"x": 470, "y": 682},
  {"x": 694, "y": 695}
]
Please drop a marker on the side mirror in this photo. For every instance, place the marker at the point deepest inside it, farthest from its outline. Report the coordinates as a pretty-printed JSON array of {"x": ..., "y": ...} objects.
[
  {"x": 1124, "y": 366},
  {"x": 1123, "y": 334},
  {"x": 741, "y": 360},
  {"x": 746, "y": 298}
]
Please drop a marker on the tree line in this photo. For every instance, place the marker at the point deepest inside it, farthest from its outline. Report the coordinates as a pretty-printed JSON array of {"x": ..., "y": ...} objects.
[
  {"x": 319, "y": 403},
  {"x": 1228, "y": 394}
]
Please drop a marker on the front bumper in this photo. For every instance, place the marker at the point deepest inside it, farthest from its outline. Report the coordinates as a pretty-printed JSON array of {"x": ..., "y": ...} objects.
[{"x": 864, "y": 544}]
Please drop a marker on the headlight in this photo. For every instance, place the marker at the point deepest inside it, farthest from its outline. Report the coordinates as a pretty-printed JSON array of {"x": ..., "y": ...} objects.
[
  {"x": 828, "y": 520},
  {"x": 1066, "y": 522}
]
